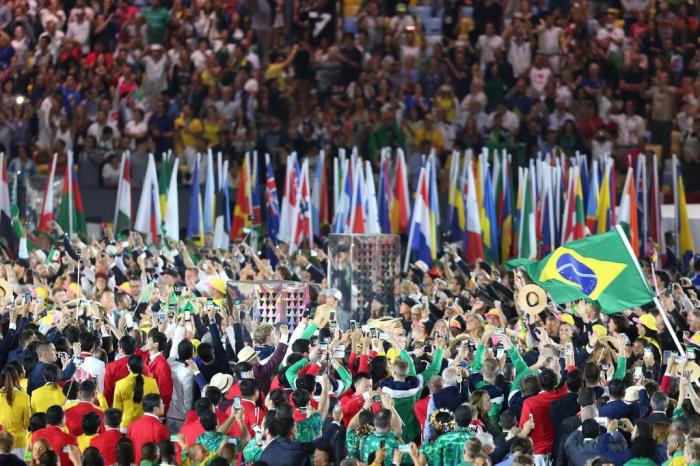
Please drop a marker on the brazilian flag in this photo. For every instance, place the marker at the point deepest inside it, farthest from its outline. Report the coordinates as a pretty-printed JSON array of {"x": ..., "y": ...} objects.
[{"x": 599, "y": 268}]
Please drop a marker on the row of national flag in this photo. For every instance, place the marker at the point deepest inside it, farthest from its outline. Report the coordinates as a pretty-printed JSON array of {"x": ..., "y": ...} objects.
[{"x": 495, "y": 210}]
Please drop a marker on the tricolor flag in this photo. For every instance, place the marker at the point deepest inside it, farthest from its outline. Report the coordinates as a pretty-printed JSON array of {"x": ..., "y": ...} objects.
[
  {"x": 208, "y": 204},
  {"x": 171, "y": 214},
  {"x": 420, "y": 234},
  {"x": 455, "y": 201},
  {"x": 400, "y": 203},
  {"x": 164, "y": 174},
  {"x": 684, "y": 245},
  {"x": 370, "y": 204},
  {"x": 319, "y": 194},
  {"x": 505, "y": 209},
  {"x": 148, "y": 216},
  {"x": 289, "y": 200},
  {"x": 573, "y": 227},
  {"x": 490, "y": 226},
  {"x": 527, "y": 239},
  {"x": 474, "y": 248},
  {"x": 272, "y": 203},
  {"x": 221, "y": 229},
  {"x": 71, "y": 215},
  {"x": 605, "y": 202},
  {"x": 628, "y": 211},
  {"x": 357, "y": 208},
  {"x": 383, "y": 200},
  {"x": 592, "y": 199},
  {"x": 7, "y": 234},
  {"x": 195, "y": 227},
  {"x": 303, "y": 228},
  {"x": 243, "y": 209},
  {"x": 47, "y": 202}
]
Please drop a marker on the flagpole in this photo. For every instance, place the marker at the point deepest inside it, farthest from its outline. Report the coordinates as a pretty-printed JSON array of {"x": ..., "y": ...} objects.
[
  {"x": 633, "y": 258},
  {"x": 119, "y": 190},
  {"x": 70, "y": 193}
]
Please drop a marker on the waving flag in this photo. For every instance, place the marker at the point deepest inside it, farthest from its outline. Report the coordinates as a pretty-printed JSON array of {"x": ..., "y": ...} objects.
[
  {"x": 600, "y": 268},
  {"x": 384, "y": 193},
  {"x": 254, "y": 188},
  {"x": 491, "y": 243},
  {"x": 7, "y": 234},
  {"x": 592, "y": 199},
  {"x": 289, "y": 199},
  {"x": 400, "y": 203},
  {"x": 195, "y": 226},
  {"x": 684, "y": 245},
  {"x": 148, "y": 217},
  {"x": 171, "y": 214},
  {"x": 474, "y": 247},
  {"x": 303, "y": 229},
  {"x": 505, "y": 207},
  {"x": 420, "y": 233},
  {"x": 244, "y": 209},
  {"x": 47, "y": 202},
  {"x": 548, "y": 228},
  {"x": 583, "y": 170},
  {"x": 164, "y": 174},
  {"x": 455, "y": 201},
  {"x": 71, "y": 215},
  {"x": 343, "y": 212},
  {"x": 272, "y": 203},
  {"x": 628, "y": 211},
  {"x": 370, "y": 201},
  {"x": 604, "y": 214}
]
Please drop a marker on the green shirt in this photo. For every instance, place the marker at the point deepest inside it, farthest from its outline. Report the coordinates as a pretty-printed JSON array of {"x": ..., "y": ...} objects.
[
  {"x": 372, "y": 443},
  {"x": 447, "y": 449},
  {"x": 352, "y": 443},
  {"x": 309, "y": 429},
  {"x": 157, "y": 19},
  {"x": 213, "y": 440},
  {"x": 252, "y": 452}
]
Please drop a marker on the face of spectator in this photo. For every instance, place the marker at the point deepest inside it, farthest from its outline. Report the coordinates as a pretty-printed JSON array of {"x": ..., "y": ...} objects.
[{"x": 321, "y": 458}]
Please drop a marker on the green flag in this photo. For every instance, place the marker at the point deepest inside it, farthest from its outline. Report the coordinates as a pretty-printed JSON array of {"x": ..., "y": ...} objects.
[{"x": 600, "y": 268}]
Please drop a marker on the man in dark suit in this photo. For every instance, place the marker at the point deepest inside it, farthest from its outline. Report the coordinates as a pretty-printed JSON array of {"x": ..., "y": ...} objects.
[
  {"x": 659, "y": 405},
  {"x": 566, "y": 406},
  {"x": 586, "y": 402},
  {"x": 630, "y": 407}
]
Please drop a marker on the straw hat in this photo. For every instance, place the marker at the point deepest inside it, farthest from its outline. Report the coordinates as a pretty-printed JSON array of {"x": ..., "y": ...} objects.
[{"x": 532, "y": 299}]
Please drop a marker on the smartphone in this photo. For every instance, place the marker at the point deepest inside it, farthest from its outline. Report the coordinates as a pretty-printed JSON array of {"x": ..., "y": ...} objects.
[
  {"x": 378, "y": 398},
  {"x": 27, "y": 297},
  {"x": 383, "y": 336},
  {"x": 499, "y": 331},
  {"x": 331, "y": 316},
  {"x": 405, "y": 448},
  {"x": 188, "y": 315},
  {"x": 374, "y": 332},
  {"x": 499, "y": 352},
  {"x": 236, "y": 403},
  {"x": 690, "y": 352},
  {"x": 638, "y": 372},
  {"x": 210, "y": 304},
  {"x": 647, "y": 352},
  {"x": 353, "y": 325},
  {"x": 173, "y": 438}
]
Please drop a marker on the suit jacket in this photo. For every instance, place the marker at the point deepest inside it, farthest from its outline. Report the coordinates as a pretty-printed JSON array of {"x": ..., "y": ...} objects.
[
  {"x": 568, "y": 425},
  {"x": 160, "y": 369},
  {"x": 653, "y": 418},
  {"x": 74, "y": 417},
  {"x": 146, "y": 429},
  {"x": 285, "y": 452},
  {"x": 106, "y": 443},
  {"x": 57, "y": 439},
  {"x": 560, "y": 410},
  {"x": 449, "y": 398}
]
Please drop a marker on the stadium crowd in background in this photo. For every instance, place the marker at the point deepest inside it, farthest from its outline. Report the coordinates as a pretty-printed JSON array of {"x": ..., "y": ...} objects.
[{"x": 99, "y": 78}]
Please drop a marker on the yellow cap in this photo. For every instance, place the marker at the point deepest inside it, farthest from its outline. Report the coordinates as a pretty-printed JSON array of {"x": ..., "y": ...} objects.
[{"x": 600, "y": 330}]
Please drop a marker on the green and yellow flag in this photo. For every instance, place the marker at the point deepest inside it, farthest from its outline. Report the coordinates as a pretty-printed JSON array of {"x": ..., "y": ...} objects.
[{"x": 600, "y": 268}]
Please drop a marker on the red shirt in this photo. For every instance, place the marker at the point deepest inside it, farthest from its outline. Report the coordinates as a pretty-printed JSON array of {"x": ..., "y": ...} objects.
[
  {"x": 420, "y": 409},
  {"x": 192, "y": 430},
  {"x": 106, "y": 442},
  {"x": 58, "y": 440},
  {"x": 252, "y": 415},
  {"x": 75, "y": 414},
  {"x": 543, "y": 434},
  {"x": 146, "y": 429},
  {"x": 160, "y": 369},
  {"x": 114, "y": 372}
]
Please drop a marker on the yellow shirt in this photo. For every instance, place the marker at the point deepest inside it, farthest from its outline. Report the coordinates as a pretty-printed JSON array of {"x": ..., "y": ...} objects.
[
  {"x": 84, "y": 441},
  {"x": 15, "y": 417},
  {"x": 123, "y": 397},
  {"x": 189, "y": 131},
  {"x": 211, "y": 133},
  {"x": 276, "y": 71},
  {"x": 45, "y": 397}
]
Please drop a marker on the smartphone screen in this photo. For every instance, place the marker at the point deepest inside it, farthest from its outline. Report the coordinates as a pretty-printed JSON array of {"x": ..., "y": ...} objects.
[{"x": 237, "y": 403}]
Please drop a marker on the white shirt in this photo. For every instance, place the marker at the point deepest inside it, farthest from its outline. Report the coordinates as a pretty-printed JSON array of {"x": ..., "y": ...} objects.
[
  {"x": 487, "y": 45},
  {"x": 614, "y": 35},
  {"x": 95, "y": 368},
  {"x": 548, "y": 40},
  {"x": 80, "y": 32},
  {"x": 539, "y": 78},
  {"x": 510, "y": 121},
  {"x": 519, "y": 56},
  {"x": 629, "y": 128},
  {"x": 556, "y": 119}
]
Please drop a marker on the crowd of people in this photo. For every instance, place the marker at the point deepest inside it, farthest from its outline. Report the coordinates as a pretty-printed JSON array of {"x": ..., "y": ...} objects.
[
  {"x": 122, "y": 352},
  {"x": 99, "y": 78}
]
